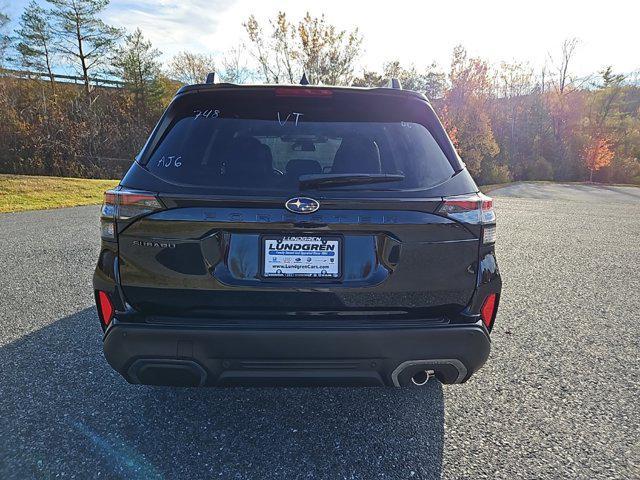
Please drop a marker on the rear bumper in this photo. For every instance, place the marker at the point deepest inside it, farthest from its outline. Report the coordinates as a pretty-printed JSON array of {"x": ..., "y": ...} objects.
[{"x": 212, "y": 356}]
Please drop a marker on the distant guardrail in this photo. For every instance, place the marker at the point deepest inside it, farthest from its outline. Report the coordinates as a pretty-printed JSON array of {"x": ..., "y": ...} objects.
[{"x": 29, "y": 74}]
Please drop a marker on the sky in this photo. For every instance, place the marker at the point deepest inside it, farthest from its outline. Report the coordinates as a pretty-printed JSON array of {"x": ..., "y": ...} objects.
[{"x": 415, "y": 32}]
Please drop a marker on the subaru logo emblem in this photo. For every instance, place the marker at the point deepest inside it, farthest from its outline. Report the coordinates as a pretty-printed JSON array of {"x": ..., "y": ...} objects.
[{"x": 302, "y": 205}]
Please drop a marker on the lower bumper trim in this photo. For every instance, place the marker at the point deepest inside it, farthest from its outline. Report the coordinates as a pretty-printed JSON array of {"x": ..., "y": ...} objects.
[{"x": 191, "y": 356}]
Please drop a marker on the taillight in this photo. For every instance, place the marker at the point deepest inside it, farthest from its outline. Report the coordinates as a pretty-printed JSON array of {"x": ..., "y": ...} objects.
[
  {"x": 122, "y": 204},
  {"x": 105, "y": 307},
  {"x": 108, "y": 215},
  {"x": 488, "y": 310},
  {"x": 476, "y": 209}
]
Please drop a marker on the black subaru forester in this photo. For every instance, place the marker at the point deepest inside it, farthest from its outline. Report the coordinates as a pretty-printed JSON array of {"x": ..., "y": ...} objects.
[{"x": 297, "y": 235}]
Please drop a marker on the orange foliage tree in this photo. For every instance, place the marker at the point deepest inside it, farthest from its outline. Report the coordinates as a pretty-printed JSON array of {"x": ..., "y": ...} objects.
[
  {"x": 597, "y": 154},
  {"x": 464, "y": 107}
]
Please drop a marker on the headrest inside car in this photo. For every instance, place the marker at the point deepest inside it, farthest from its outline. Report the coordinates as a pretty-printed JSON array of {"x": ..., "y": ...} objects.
[
  {"x": 357, "y": 154},
  {"x": 297, "y": 167}
]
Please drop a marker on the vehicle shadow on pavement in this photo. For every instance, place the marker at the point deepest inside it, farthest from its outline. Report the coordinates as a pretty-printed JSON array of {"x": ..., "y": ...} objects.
[{"x": 64, "y": 411}]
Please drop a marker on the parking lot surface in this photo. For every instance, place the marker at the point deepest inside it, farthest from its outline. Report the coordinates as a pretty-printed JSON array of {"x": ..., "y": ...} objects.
[{"x": 557, "y": 399}]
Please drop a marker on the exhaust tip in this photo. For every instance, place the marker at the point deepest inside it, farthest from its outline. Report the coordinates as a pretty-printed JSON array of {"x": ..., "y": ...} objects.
[
  {"x": 449, "y": 370},
  {"x": 421, "y": 378},
  {"x": 167, "y": 372}
]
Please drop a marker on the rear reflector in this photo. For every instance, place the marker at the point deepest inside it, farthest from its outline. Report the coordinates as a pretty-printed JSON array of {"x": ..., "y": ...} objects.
[
  {"x": 489, "y": 234},
  {"x": 105, "y": 308},
  {"x": 488, "y": 310}
]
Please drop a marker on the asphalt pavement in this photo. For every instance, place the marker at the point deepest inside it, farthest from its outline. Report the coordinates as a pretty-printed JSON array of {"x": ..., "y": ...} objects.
[
  {"x": 558, "y": 397},
  {"x": 579, "y": 192}
]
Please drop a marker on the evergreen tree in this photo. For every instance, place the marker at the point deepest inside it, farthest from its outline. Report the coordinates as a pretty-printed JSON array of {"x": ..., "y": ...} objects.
[
  {"x": 137, "y": 64},
  {"x": 36, "y": 40},
  {"x": 85, "y": 40},
  {"x": 4, "y": 37}
]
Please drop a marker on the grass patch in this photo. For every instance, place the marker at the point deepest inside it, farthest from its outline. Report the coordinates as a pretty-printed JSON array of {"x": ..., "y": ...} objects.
[{"x": 25, "y": 192}]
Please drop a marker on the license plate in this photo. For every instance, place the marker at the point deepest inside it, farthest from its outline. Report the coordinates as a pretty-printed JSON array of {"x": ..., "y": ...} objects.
[{"x": 307, "y": 257}]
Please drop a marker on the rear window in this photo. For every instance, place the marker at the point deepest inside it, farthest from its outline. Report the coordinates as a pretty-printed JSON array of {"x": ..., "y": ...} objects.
[{"x": 262, "y": 143}]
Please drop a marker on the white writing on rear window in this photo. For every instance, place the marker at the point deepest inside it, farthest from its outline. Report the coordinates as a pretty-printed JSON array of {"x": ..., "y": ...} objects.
[
  {"x": 209, "y": 113},
  {"x": 170, "y": 161},
  {"x": 297, "y": 116}
]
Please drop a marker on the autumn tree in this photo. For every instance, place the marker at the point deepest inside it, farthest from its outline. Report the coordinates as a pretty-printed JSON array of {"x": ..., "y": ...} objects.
[
  {"x": 465, "y": 107},
  {"x": 434, "y": 82},
  {"x": 85, "y": 40},
  {"x": 276, "y": 49},
  {"x": 369, "y": 78},
  {"x": 234, "y": 66},
  {"x": 36, "y": 42},
  {"x": 518, "y": 121},
  {"x": 431, "y": 81},
  {"x": 605, "y": 105},
  {"x": 564, "y": 105},
  {"x": 190, "y": 68},
  {"x": 284, "y": 46},
  {"x": 625, "y": 128},
  {"x": 262, "y": 50},
  {"x": 610, "y": 120},
  {"x": 514, "y": 82},
  {"x": 326, "y": 54},
  {"x": 597, "y": 154},
  {"x": 137, "y": 63}
]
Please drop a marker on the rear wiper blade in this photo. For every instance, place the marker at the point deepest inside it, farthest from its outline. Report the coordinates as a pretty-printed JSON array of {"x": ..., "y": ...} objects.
[{"x": 340, "y": 179}]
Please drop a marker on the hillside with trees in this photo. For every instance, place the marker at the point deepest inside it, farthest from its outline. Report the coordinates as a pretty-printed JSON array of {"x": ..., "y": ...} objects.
[{"x": 79, "y": 97}]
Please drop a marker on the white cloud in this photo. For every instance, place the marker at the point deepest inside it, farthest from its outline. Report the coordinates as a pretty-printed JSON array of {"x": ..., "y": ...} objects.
[{"x": 172, "y": 26}]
